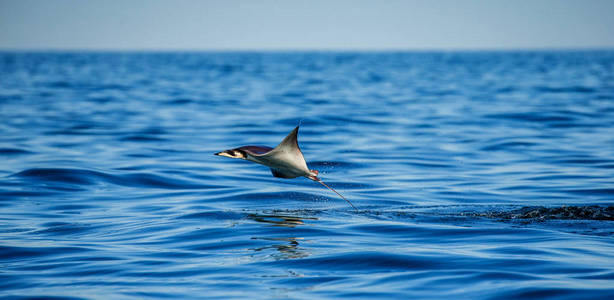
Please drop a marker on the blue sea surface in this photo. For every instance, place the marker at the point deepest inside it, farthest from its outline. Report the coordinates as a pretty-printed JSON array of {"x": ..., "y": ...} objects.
[{"x": 479, "y": 175}]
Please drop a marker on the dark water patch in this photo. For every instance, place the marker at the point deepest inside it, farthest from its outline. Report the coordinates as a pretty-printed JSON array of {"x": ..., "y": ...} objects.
[
  {"x": 256, "y": 132},
  {"x": 512, "y": 145},
  {"x": 552, "y": 213},
  {"x": 373, "y": 261},
  {"x": 101, "y": 100},
  {"x": 141, "y": 138},
  {"x": 157, "y": 181},
  {"x": 90, "y": 125},
  {"x": 592, "y": 192},
  {"x": 8, "y": 195},
  {"x": 426, "y": 164},
  {"x": 555, "y": 293},
  {"x": 139, "y": 155},
  {"x": 291, "y": 94},
  {"x": 89, "y": 177},
  {"x": 94, "y": 258},
  {"x": 70, "y": 207},
  {"x": 49, "y": 266},
  {"x": 565, "y": 89},
  {"x": 75, "y": 176},
  {"x": 13, "y": 151},
  {"x": 41, "y": 297},
  {"x": 15, "y": 253},
  {"x": 153, "y": 130},
  {"x": 180, "y": 101},
  {"x": 60, "y": 84}
]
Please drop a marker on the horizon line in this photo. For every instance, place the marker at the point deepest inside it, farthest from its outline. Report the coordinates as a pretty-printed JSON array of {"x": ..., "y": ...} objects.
[{"x": 298, "y": 50}]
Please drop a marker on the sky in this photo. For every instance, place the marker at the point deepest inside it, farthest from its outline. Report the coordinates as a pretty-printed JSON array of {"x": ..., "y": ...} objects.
[{"x": 305, "y": 25}]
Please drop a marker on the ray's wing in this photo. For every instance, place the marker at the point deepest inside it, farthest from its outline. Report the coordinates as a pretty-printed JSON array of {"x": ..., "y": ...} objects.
[
  {"x": 256, "y": 150},
  {"x": 290, "y": 142},
  {"x": 281, "y": 174},
  {"x": 286, "y": 157},
  {"x": 288, "y": 145}
]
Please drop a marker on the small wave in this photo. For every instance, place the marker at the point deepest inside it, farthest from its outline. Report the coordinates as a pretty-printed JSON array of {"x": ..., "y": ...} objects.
[
  {"x": 532, "y": 117},
  {"x": 150, "y": 180},
  {"x": 13, "y": 151},
  {"x": 593, "y": 192},
  {"x": 180, "y": 101},
  {"x": 293, "y": 94},
  {"x": 429, "y": 165},
  {"x": 14, "y": 194},
  {"x": 63, "y": 228},
  {"x": 46, "y": 297},
  {"x": 367, "y": 260},
  {"x": 69, "y": 207},
  {"x": 565, "y": 90},
  {"x": 141, "y": 138},
  {"x": 507, "y": 146},
  {"x": 554, "y": 293},
  {"x": 74, "y": 176},
  {"x": 10, "y": 252},
  {"x": 89, "y": 177}
]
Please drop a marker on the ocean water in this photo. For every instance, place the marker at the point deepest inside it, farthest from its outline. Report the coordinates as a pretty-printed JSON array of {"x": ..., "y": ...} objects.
[{"x": 480, "y": 175}]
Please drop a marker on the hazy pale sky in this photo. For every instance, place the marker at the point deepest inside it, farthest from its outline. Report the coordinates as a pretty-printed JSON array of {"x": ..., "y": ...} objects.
[{"x": 315, "y": 24}]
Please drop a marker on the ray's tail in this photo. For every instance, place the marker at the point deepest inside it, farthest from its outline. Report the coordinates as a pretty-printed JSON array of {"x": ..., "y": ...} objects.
[{"x": 330, "y": 188}]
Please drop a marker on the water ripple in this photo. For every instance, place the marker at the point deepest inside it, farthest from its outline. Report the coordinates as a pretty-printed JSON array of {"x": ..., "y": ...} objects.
[
  {"x": 477, "y": 175},
  {"x": 89, "y": 177}
]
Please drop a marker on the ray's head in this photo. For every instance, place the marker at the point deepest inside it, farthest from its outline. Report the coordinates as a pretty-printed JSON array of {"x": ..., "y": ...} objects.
[{"x": 233, "y": 153}]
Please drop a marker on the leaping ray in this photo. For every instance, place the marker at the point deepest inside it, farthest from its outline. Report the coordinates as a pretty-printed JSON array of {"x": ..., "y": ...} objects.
[{"x": 285, "y": 161}]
